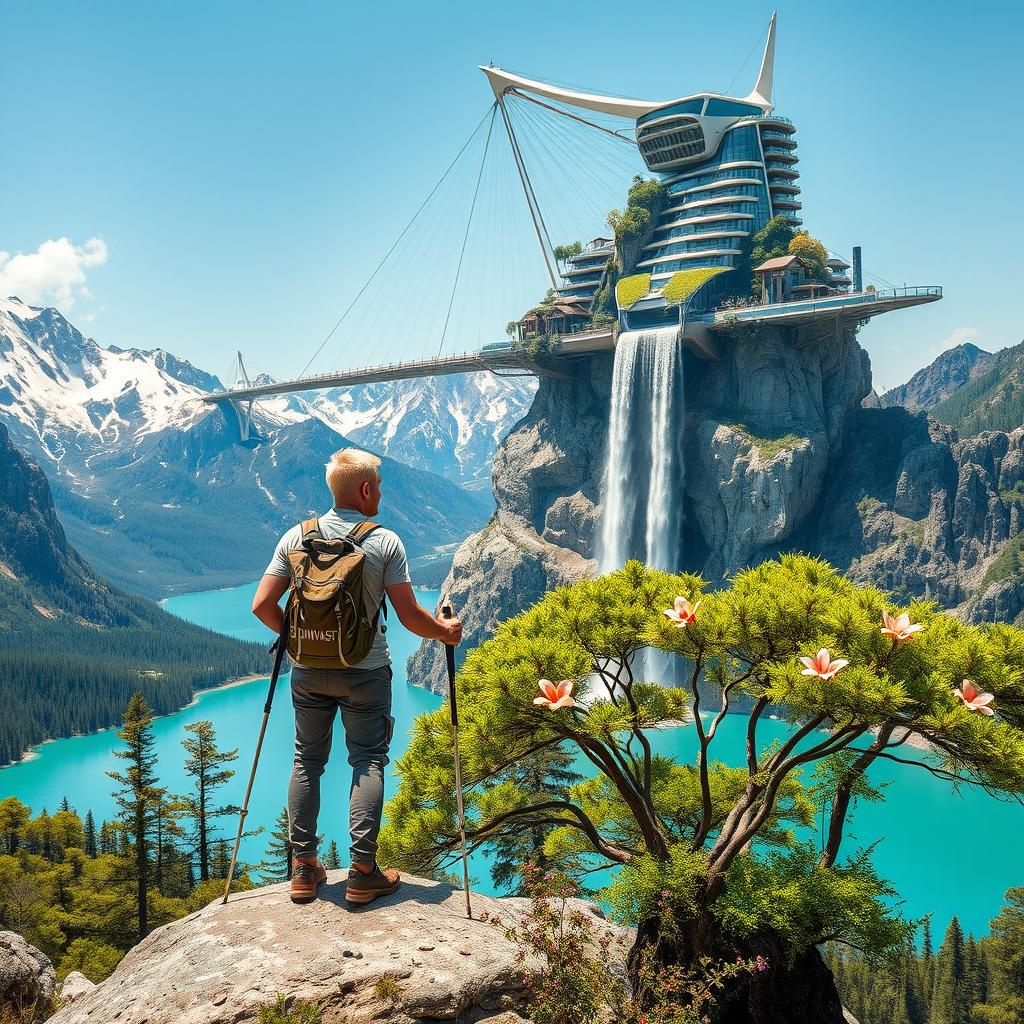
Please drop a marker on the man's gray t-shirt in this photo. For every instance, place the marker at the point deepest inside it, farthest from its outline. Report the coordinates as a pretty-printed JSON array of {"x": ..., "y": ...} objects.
[{"x": 386, "y": 564}]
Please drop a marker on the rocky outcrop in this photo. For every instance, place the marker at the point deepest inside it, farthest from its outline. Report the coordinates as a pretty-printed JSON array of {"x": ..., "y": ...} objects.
[
  {"x": 27, "y": 978},
  {"x": 413, "y": 956},
  {"x": 547, "y": 483},
  {"x": 764, "y": 425},
  {"x": 918, "y": 512}
]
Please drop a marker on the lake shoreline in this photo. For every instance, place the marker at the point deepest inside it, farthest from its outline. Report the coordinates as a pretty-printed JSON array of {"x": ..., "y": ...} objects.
[{"x": 34, "y": 753}]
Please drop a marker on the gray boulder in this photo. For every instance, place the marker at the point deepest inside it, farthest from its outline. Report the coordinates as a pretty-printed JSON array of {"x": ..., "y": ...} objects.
[
  {"x": 76, "y": 985},
  {"x": 413, "y": 956},
  {"x": 27, "y": 977}
]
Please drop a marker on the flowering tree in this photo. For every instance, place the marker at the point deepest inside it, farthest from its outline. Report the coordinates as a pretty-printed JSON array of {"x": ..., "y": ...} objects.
[{"x": 855, "y": 680}]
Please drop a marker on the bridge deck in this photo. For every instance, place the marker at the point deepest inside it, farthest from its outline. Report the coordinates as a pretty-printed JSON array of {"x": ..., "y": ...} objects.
[{"x": 468, "y": 362}]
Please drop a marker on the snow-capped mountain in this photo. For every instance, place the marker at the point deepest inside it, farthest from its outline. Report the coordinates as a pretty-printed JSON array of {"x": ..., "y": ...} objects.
[
  {"x": 64, "y": 395},
  {"x": 155, "y": 490},
  {"x": 448, "y": 425}
]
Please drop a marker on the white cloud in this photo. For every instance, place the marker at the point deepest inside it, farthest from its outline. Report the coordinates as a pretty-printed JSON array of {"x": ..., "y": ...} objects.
[
  {"x": 960, "y": 336},
  {"x": 54, "y": 273}
]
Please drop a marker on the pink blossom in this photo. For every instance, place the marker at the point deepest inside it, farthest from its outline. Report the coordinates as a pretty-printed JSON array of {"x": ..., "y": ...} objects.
[
  {"x": 760, "y": 963},
  {"x": 899, "y": 627},
  {"x": 973, "y": 699},
  {"x": 555, "y": 697},
  {"x": 822, "y": 665},
  {"x": 682, "y": 613}
]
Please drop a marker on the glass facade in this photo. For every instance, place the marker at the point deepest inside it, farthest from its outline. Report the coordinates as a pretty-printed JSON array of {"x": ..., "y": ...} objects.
[{"x": 715, "y": 205}]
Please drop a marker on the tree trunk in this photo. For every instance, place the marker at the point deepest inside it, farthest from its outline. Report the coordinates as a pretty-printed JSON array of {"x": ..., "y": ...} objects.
[{"x": 801, "y": 992}]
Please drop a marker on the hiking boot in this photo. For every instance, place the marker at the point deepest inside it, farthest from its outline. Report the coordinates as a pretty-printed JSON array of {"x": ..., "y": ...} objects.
[
  {"x": 364, "y": 888},
  {"x": 306, "y": 876}
]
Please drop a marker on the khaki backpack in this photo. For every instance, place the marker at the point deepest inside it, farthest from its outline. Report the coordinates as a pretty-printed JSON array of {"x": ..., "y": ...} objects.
[{"x": 327, "y": 622}]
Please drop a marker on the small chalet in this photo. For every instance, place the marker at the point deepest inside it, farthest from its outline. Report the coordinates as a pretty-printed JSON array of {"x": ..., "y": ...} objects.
[
  {"x": 563, "y": 316},
  {"x": 786, "y": 278}
]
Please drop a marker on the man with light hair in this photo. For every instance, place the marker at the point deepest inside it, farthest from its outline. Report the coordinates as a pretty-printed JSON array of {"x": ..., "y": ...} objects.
[{"x": 362, "y": 693}]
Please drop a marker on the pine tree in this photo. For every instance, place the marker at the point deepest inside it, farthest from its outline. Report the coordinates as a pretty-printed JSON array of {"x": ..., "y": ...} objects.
[
  {"x": 220, "y": 860},
  {"x": 332, "y": 859},
  {"x": 928, "y": 961},
  {"x": 90, "y": 834},
  {"x": 14, "y": 816},
  {"x": 205, "y": 764},
  {"x": 951, "y": 1003},
  {"x": 547, "y": 774},
  {"x": 64, "y": 805},
  {"x": 139, "y": 797},
  {"x": 277, "y": 863},
  {"x": 107, "y": 844}
]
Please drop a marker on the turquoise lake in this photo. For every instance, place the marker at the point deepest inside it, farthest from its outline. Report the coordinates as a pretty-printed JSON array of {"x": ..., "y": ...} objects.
[{"x": 927, "y": 832}]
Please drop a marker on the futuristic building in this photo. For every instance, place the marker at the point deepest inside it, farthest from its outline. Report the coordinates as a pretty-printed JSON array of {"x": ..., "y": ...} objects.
[{"x": 729, "y": 164}]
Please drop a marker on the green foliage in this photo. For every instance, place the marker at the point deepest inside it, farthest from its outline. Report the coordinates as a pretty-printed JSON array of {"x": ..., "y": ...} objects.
[
  {"x": 683, "y": 284},
  {"x": 632, "y": 289},
  {"x": 205, "y": 765},
  {"x": 632, "y": 225},
  {"x": 279, "y": 1012},
  {"x": 575, "y": 981},
  {"x": 277, "y": 863},
  {"x": 126, "y": 644},
  {"x": 566, "y": 252},
  {"x": 769, "y": 444},
  {"x": 721, "y": 841},
  {"x": 388, "y": 989},
  {"x": 332, "y": 859},
  {"x": 94, "y": 958},
  {"x": 992, "y": 401},
  {"x": 792, "y": 895},
  {"x": 771, "y": 241},
  {"x": 812, "y": 252}
]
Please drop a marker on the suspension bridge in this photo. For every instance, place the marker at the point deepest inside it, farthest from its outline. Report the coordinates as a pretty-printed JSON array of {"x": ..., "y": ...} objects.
[{"x": 577, "y": 152}]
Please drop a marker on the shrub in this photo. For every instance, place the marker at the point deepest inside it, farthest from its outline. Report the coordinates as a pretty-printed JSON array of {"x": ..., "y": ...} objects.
[{"x": 279, "y": 1012}]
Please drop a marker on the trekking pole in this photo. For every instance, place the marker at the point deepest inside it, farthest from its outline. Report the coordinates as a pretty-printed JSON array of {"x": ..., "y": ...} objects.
[
  {"x": 449, "y": 650},
  {"x": 278, "y": 650}
]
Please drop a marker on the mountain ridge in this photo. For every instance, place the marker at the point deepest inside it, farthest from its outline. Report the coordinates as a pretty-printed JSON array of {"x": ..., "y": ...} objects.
[
  {"x": 135, "y": 457},
  {"x": 75, "y": 647}
]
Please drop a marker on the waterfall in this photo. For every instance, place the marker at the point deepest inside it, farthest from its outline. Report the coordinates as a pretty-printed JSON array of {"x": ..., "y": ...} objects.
[{"x": 643, "y": 476}]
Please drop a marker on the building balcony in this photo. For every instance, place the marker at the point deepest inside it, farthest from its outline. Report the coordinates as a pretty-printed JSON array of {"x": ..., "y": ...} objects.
[
  {"x": 779, "y": 153},
  {"x": 786, "y": 204},
  {"x": 783, "y": 188},
  {"x": 778, "y": 139}
]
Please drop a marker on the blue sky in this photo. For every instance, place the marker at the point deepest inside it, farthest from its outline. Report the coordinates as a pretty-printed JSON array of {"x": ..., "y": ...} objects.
[{"x": 245, "y": 165}]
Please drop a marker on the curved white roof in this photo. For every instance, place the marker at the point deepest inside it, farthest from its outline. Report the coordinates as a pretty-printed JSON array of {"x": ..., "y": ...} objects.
[{"x": 502, "y": 81}]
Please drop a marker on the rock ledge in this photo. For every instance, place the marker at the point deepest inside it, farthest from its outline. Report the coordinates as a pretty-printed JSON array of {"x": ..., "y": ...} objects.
[{"x": 223, "y": 963}]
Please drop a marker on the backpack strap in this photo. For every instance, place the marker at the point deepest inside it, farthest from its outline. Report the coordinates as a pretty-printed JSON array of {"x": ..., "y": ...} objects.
[
  {"x": 359, "y": 533},
  {"x": 310, "y": 529},
  {"x": 362, "y": 530}
]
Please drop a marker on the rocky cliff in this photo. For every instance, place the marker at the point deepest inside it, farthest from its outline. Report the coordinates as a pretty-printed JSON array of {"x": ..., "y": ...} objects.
[
  {"x": 413, "y": 956},
  {"x": 780, "y": 455}
]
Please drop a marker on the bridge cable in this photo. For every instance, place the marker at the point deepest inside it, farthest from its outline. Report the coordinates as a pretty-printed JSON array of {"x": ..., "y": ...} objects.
[
  {"x": 746, "y": 61},
  {"x": 387, "y": 255},
  {"x": 573, "y": 117},
  {"x": 469, "y": 222}
]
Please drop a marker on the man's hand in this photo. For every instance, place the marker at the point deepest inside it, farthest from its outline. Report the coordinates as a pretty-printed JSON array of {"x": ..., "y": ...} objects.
[{"x": 453, "y": 631}]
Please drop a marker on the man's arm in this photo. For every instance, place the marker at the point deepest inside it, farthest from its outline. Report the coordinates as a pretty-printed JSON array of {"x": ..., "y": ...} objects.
[
  {"x": 265, "y": 605},
  {"x": 416, "y": 618}
]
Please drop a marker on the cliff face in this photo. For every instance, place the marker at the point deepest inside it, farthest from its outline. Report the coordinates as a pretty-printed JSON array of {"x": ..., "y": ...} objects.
[
  {"x": 780, "y": 455},
  {"x": 761, "y": 427}
]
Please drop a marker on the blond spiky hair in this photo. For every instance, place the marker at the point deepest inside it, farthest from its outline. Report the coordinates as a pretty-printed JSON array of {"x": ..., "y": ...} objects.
[{"x": 346, "y": 471}]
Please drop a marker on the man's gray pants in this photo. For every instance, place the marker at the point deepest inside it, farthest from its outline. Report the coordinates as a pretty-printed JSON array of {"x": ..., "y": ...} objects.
[{"x": 364, "y": 697}]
